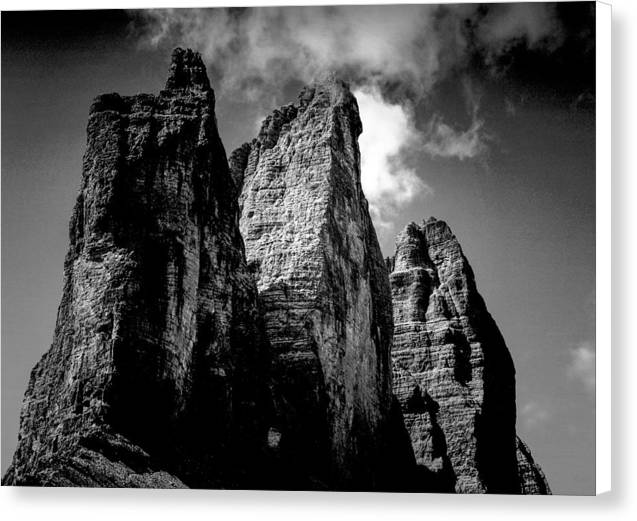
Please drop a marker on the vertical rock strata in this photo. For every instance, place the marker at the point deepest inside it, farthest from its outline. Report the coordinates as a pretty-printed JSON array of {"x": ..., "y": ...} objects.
[
  {"x": 323, "y": 287},
  {"x": 532, "y": 479},
  {"x": 453, "y": 374},
  {"x": 167, "y": 369},
  {"x": 156, "y": 374}
]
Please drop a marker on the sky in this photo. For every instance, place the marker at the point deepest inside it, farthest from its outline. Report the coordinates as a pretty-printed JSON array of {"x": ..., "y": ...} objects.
[{"x": 482, "y": 115}]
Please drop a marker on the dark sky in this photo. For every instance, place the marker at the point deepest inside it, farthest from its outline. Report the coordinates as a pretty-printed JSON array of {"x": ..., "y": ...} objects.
[{"x": 481, "y": 115}]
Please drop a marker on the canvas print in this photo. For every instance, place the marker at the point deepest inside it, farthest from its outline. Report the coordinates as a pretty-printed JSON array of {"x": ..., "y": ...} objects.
[{"x": 339, "y": 248}]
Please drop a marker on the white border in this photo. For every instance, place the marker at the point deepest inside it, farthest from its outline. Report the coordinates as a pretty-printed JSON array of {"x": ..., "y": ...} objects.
[
  {"x": 603, "y": 238},
  {"x": 98, "y": 504}
]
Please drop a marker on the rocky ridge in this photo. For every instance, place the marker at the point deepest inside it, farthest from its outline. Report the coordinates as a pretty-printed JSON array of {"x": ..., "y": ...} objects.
[{"x": 182, "y": 358}]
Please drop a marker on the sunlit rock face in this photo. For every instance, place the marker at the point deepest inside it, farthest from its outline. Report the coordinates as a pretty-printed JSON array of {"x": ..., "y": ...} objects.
[
  {"x": 157, "y": 372},
  {"x": 325, "y": 292},
  {"x": 182, "y": 358},
  {"x": 453, "y": 374}
]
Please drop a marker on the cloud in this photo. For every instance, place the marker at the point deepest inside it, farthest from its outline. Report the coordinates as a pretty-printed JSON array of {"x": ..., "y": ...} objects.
[
  {"x": 534, "y": 414},
  {"x": 393, "y": 56},
  {"x": 510, "y": 107},
  {"x": 582, "y": 365},
  {"x": 535, "y": 25},
  {"x": 443, "y": 140},
  {"x": 254, "y": 51},
  {"x": 387, "y": 131}
]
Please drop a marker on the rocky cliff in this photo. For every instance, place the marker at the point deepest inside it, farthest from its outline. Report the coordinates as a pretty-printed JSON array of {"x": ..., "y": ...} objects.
[
  {"x": 324, "y": 290},
  {"x": 157, "y": 372},
  {"x": 532, "y": 479},
  {"x": 453, "y": 374},
  {"x": 182, "y": 358}
]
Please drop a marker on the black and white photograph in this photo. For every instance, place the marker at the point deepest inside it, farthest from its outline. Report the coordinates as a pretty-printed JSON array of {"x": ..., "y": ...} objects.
[{"x": 338, "y": 248}]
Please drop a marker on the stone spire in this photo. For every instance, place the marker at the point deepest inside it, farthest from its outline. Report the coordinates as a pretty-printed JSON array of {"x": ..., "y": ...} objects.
[
  {"x": 453, "y": 374},
  {"x": 187, "y": 71},
  {"x": 324, "y": 290},
  {"x": 157, "y": 372}
]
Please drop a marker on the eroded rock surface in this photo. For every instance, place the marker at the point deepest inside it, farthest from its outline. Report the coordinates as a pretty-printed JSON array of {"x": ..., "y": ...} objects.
[
  {"x": 453, "y": 374},
  {"x": 532, "y": 479},
  {"x": 167, "y": 369},
  {"x": 156, "y": 375},
  {"x": 324, "y": 290}
]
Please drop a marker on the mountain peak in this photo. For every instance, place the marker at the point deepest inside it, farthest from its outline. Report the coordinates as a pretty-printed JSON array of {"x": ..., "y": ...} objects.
[{"x": 187, "y": 71}]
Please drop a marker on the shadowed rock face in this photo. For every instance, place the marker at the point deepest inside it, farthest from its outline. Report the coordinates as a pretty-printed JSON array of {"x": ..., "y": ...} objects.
[
  {"x": 532, "y": 479},
  {"x": 453, "y": 374},
  {"x": 324, "y": 290},
  {"x": 156, "y": 375},
  {"x": 167, "y": 369}
]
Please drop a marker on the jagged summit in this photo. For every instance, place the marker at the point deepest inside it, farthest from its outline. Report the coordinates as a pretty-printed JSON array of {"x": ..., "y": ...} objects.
[
  {"x": 324, "y": 292},
  {"x": 448, "y": 347},
  {"x": 156, "y": 374},
  {"x": 187, "y": 71},
  {"x": 413, "y": 229},
  {"x": 232, "y": 325},
  {"x": 329, "y": 97},
  {"x": 320, "y": 94}
]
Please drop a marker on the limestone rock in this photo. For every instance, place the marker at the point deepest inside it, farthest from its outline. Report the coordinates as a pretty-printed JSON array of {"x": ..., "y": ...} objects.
[
  {"x": 157, "y": 371},
  {"x": 453, "y": 374},
  {"x": 532, "y": 479},
  {"x": 324, "y": 291},
  {"x": 181, "y": 359}
]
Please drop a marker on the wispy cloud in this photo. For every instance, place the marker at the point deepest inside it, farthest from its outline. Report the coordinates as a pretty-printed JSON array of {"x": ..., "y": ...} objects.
[
  {"x": 387, "y": 181},
  {"x": 510, "y": 108},
  {"x": 534, "y": 415},
  {"x": 581, "y": 367},
  {"x": 534, "y": 25},
  {"x": 256, "y": 50},
  {"x": 393, "y": 56},
  {"x": 441, "y": 139}
]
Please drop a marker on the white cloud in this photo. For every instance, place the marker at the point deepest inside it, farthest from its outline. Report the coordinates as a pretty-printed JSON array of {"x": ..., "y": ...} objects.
[
  {"x": 387, "y": 131},
  {"x": 257, "y": 50},
  {"x": 260, "y": 49},
  {"x": 440, "y": 139},
  {"x": 533, "y": 24},
  {"x": 534, "y": 414},
  {"x": 402, "y": 52},
  {"x": 582, "y": 365},
  {"x": 443, "y": 140}
]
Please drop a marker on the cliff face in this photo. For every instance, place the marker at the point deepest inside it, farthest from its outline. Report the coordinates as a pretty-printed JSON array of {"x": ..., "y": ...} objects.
[
  {"x": 453, "y": 373},
  {"x": 532, "y": 479},
  {"x": 181, "y": 359},
  {"x": 156, "y": 375},
  {"x": 324, "y": 290}
]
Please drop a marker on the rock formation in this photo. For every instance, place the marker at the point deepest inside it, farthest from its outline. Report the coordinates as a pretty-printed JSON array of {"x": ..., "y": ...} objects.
[
  {"x": 157, "y": 372},
  {"x": 324, "y": 290},
  {"x": 181, "y": 359},
  {"x": 532, "y": 479},
  {"x": 453, "y": 374}
]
